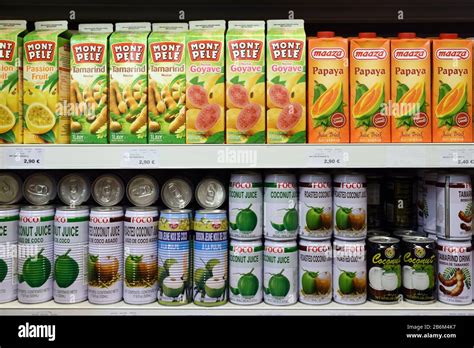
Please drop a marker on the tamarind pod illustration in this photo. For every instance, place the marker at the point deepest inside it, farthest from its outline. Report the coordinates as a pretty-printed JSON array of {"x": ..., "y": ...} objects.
[
  {"x": 140, "y": 121},
  {"x": 464, "y": 217},
  {"x": 177, "y": 122},
  {"x": 458, "y": 278},
  {"x": 122, "y": 107},
  {"x": 151, "y": 101},
  {"x": 447, "y": 282},
  {"x": 99, "y": 121}
]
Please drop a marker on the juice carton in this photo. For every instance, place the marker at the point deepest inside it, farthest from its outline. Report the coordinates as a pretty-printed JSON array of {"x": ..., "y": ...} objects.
[
  {"x": 452, "y": 89},
  {"x": 370, "y": 89},
  {"x": 89, "y": 81},
  {"x": 328, "y": 89},
  {"x": 286, "y": 81},
  {"x": 411, "y": 89},
  {"x": 205, "y": 82},
  {"x": 46, "y": 84},
  {"x": 245, "y": 82},
  {"x": 128, "y": 110},
  {"x": 11, "y": 79},
  {"x": 167, "y": 84}
]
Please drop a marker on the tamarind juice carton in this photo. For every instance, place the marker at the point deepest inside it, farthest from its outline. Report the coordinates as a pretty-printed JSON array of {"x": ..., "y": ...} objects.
[
  {"x": 46, "y": 69},
  {"x": 452, "y": 89},
  {"x": 286, "y": 81},
  {"x": 410, "y": 102},
  {"x": 370, "y": 88},
  {"x": 89, "y": 84},
  {"x": 167, "y": 84},
  {"x": 245, "y": 82},
  {"x": 128, "y": 111},
  {"x": 205, "y": 82},
  {"x": 328, "y": 89}
]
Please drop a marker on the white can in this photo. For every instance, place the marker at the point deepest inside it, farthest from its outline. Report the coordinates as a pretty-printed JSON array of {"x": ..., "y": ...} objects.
[
  {"x": 315, "y": 271},
  {"x": 349, "y": 271},
  {"x": 280, "y": 267},
  {"x": 315, "y": 206},
  {"x": 429, "y": 202},
  {"x": 9, "y": 218}
]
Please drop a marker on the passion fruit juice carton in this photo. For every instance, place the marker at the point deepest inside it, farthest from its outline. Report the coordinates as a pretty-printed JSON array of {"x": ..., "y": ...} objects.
[
  {"x": 89, "y": 84},
  {"x": 328, "y": 89},
  {"x": 128, "y": 111},
  {"x": 286, "y": 81},
  {"x": 11, "y": 79},
  {"x": 245, "y": 82},
  {"x": 167, "y": 84},
  {"x": 410, "y": 103},
  {"x": 370, "y": 89},
  {"x": 205, "y": 82},
  {"x": 452, "y": 89},
  {"x": 46, "y": 74}
]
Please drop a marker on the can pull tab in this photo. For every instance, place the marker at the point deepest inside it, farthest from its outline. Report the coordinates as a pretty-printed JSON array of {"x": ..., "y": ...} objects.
[
  {"x": 142, "y": 191},
  {"x": 4, "y": 187},
  {"x": 176, "y": 192},
  {"x": 211, "y": 193},
  {"x": 74, "y": 192},
  {"x": 38, "y": 190},
  {"x": 107, "y": 192}
]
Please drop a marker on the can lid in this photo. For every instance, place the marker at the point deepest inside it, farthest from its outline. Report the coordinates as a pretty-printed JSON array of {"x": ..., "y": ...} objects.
[
  {"x": 176, "y": 193},
  {"x": 325, "y": 34},
  {"x": 107, "y": 190},
  {"x": 368, "y": 35},
  {"x": 211, "y": 211},
  {"x": 142, "y": 190},
  {"x": 445, "y": 36},
  {"x": 39, "y": 189},
  {"x": 10, "y": 188},
  {"x": 407, "y": 35},
  {"x": 210, "y": 193},
  {"x": 406, "y": 233},
  {"x": 74, "y": 189},
  {"x": 418, "y": 239},
  {"x": 383, "y": 239}
]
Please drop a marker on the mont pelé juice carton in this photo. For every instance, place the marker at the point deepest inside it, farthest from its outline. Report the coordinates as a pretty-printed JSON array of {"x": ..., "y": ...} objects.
[
  {"x": 328, "y": 89},
  {"x": 452, "y": 89},
  {"x": 46, "y": 84},
  {"x": 167, "y": 84},
  {"x": 89, "y": 84},
  {"x": 128, "y": 109},
  {"x": 370, "y": 88},
  {"x": 11, "y": 79},
  {"x": 205, "y": 82},
  {"x": 286, "y": 81},
  {"x": 245, "y": 82}
]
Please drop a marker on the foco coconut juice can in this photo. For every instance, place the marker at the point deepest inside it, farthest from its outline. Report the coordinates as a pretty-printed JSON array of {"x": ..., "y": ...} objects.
[
  {"x": 246, "y": 272},
  {"x": 105, "y": 261},
  {"x": 10, "y": 188},
  {"x": 140, "y": 254},
  {"x": 315, "y": 271},
  {"x": 71, "y": 237},
  {"x": 429, "y": 202},
  {"x": 39, "y": 189},
  {"x": 9, "y": 220},
  {"x": 35, "y": 254},
  {"x": 280, "y": 279}
]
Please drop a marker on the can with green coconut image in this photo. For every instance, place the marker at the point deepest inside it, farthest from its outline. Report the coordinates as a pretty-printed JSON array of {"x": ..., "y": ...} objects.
[
  {"x": 35, "y": 254},
  {"x": 71, "y": 237},
  {"x": 246, "y": 271},
  {"x": 9, "y": 219}
]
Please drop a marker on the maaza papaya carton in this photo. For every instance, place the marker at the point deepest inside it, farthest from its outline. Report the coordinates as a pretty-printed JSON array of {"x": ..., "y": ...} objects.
[
  {"x": 205, "y": 82},
  {"x": 245, "y": 82},
  {"x": 46, "y": 84},
  {"x": 328, "y": 89},
  {"x": 370, "y": 89},
  {"x": 89, "y": 84},
  {"x": 286, "y": 81},
  {"x": 128, "y": 110},
  {"x": 452, "y": 89},
  {"x": 11, "y": 79}
]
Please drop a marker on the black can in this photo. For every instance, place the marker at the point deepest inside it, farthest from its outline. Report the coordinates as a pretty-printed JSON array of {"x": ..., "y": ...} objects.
[
  {"x": 400, "y": 203},
  {"x": 419, "y": 269},
  {"x": 375, "y": 209},
  {"x": 384, "y": 269}
]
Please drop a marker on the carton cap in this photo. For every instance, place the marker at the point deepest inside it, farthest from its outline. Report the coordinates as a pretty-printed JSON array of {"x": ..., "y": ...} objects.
[
  {"x": 247, "y": 25},
  {"x": 13, "y": 24},
  {"x": 448, "y": 35},
  {"x": 51, "y": 25},
  {"x": 285, "y": 23},
  {"x": 368, "y": 35},
  {"x": 170, "y": 27},
  {"x": 207, "y": 25},
  {"x": 325, "y": 34},
  {"x": 133, "y": 27},
  {"x": 407, "y": 35},
  {"x": 96, "y": 28}
]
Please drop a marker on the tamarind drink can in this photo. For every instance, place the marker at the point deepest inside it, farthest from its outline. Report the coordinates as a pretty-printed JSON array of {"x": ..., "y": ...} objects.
[
  {"x": 315, "y": 271},
  {"x": 375, "y": 206},
  {"x": 177, "y": 193},
  {"x": 9, "y": 219},
  {"x": 142, "y": 190},
  {"x": 35, "y": 254},
  {"x": 140, "y": 255},
  {"x": 454, "y": 271},
  {"x": 71, "y": 240},
  {"x": 400, "y": 206},
  {"x": 429, "y": 202},
  {"x": 105, "y": 261},
  {"x": 280, "y": 267},
  {"x": 10, "y": 188},
  {"x": 74, "y": 189},
  {"x": 108, "y": 190},
  {"x": 39, "y": 189},
  {"x": 246, "y": 271},
  {"x": 454, "y": 206},
  {"x": 210, "y": 193}
]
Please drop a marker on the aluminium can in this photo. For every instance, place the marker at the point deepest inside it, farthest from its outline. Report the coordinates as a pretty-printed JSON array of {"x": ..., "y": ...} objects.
[
  {"x": 176, "y": 193},
  {"x": 10, "y": 188},
  {"x": 142, "y": 190},
  {"x": 108, "y": 190},
  {"x": 375, "y": 209},
  {"x": 39, "y": 189},
  {"x": 9, "y": 220},
  {"x": 210, "y": 193},
  {"x": 74, "y": 189}
]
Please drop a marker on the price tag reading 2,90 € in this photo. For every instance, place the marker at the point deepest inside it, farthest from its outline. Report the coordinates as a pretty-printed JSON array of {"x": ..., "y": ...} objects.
[
  {"x": 328, "y": 157},
  {"x": 24, "y": 158},
  {"x": 139, "y": 158}
]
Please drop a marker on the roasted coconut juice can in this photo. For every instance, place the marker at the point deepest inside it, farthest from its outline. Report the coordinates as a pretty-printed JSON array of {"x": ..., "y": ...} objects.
[{"x": 9, "y": 220}]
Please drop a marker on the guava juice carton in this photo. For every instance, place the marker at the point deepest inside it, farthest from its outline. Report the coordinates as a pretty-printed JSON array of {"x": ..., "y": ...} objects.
[
  {"x": 89, "y": 84},
  {"x": 46, "y": 84},
  {"x": 286, "y": 81},
  {"x": 167, "y": 84},
  {"x": 205, "y": 82},
  {"x": 128, "y": 111},
  {"x": 11, "y": 79},
  {"x": 245, "y": 82},
  {"x": 328, "y": 89},
  {"x": 452, "y": 89},
  {"x": 410, "y": 89},
  {"x": 370, "y": 88}
]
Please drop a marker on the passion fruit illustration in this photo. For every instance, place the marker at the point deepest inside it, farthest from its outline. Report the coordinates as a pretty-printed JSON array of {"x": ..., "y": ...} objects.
[
  {"x": 173, "y": 287},
  {"x": 207, "y": 117},
  {"x": 197, "y": 96},
  {"x": 7, "y": 119},
  {"x": 246, "y": 220},
  {"x": 289, "y": 117},
  {"x": 237, "y": 96},
  {"x": 36, "y": 270},
  {"x": 308, "y": 282},
  {"x": 279, "y": 285},
  {"x": 278, "y": 96},
  {"x": 3, "y": 270},
  {"x": 66, "y": 270},
  {"x": 248, "y": 284},
  {"x": 39, "y": 119},
  {"x": 248, "y": 117},
  {"x": 214, "y": 287}
]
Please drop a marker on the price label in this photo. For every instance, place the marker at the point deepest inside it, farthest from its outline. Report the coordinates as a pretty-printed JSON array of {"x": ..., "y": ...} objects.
[
  {"x": 321, "y": 158},
  {"x": 456, "y": 158},
  {"x": 140, "y": 158},
  {"x": 24, "y": 158}
]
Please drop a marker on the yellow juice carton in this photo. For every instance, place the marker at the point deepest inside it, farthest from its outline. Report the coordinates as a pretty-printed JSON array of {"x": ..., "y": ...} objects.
[
  {"x": 11, "y": 79},
  {"x": 205, "y": 82},
  {"x": 286, "y": 81},
  {"x": 46, "y": 58},
  {"x": 452, "y": 89},
  {"x": 245, "y": 82}
]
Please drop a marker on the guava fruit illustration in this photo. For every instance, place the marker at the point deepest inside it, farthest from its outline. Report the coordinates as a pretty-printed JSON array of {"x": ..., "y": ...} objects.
[
  {"x": 289, "y": 117},
  {"x": 248, "y": 117},
  {"x": 238, "y": 96},
  {"x": 173, "y": 287},
  {"x": 248, "y": 284},
  {"x": 66, "y": 270},
  {"x": 313, "y": 218},
  {"x": 214, "y": 287},
  {"x": 3, "y": 270},
  {"x": 342, "y": 218},
  {"x": 197, "y": 96},
  {"x": 131, "y": 268},
  {"x": 308, "y": 282},
  {"x": 278, "y": 96},
  {"x": 246, "y": 220},
  {"x": 36, "y": 270},
  {"x": 346, "y": 282},
  {"x": 91, "y": 271},
  {"x": 207, "y": 117},
  {"x": 279, "y": 285},
  {"x": 201, "y": 275}
]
